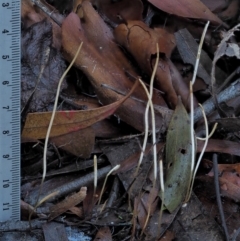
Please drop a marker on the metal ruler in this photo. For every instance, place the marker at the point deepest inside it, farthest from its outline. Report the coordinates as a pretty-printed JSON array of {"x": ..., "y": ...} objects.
[{"x": 10, "y": 89}]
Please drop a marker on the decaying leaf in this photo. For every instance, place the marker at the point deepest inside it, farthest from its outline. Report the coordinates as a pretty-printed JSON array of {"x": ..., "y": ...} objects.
[
  {"x": 38, "y": 55},
  {"x": 188, "y": 48},
  {"x": 140, "y": 41},
  {"x": 116, "y": 11},
  {"x": 103, "y": 234},
  {"x": 67, "y": 203},
  {"x": 79, "y": 143},
  {"x": 178, "y": 158},
  {"x": 67, "y": 121},
  {"x": 187, "y": 8},
  {"x": 105, "y": 64}
]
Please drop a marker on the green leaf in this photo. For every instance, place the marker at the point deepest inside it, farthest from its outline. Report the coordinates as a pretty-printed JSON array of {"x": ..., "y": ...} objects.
[{"x": 178, "y": 158}]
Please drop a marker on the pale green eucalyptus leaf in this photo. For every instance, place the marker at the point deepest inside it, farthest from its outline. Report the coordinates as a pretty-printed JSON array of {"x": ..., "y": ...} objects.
[{"x": 178, "y": 158}]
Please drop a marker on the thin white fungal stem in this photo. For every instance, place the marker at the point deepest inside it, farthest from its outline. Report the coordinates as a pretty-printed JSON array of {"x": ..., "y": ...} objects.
[
  {"x": 161, "y": 178},
  {"x": 149, "y": 104},
  {"x": 52, "y": 119},
  {"x": 202, "y": 152},
  {"x": 211, "y": 133},
  {"x": 105, "y": 181},
  {"x": 95, "y": 175},
  {"x": 191, "y": 105}
]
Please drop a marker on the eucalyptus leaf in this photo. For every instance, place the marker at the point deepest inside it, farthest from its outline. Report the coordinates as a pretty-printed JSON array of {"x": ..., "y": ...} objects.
[{"x": 178, "y": 158}]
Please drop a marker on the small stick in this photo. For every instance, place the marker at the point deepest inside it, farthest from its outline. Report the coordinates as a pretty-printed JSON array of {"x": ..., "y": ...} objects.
[{"x": 219, "y": 202}]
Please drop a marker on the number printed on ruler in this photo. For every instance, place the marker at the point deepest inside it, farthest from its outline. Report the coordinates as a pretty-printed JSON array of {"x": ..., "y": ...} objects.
[{"x": 10, "y": 89}]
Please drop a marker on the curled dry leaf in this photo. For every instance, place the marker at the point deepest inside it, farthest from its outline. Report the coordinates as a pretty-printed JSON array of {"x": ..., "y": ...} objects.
[
  {"x": 187, "y": 8},
  {"x": 140, "y": 41},
  {"x": 105, "y": 64}
]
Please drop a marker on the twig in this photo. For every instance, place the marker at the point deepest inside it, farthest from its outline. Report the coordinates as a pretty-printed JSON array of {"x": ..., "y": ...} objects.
[
  {"x": 219, "y": 202},
  {"x": 228, "y": 79},
  {"x": 69, "y": 187},
  {"x": 227, "y": 94},
  {"x": 55, "y": 16}
]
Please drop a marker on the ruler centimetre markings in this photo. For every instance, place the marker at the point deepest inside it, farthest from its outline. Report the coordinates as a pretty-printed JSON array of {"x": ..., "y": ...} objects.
[{"x": 10, "y": 104}]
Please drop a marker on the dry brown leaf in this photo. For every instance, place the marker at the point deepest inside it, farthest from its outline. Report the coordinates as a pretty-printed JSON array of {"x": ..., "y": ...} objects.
[
  {"x": 116, "y": 11},
  {"x": 104, "y": 63},
  {"x": 103, "y": 234},
  {"x": 223, "y": 146},
  {"x": 77, "y": 211},
  {"x": 79, "y": 143},
  {"x": 67, "y": 121},
  {"x": 140, "y": 41},
  {"x": 187, "y": 8},
  {"x": 229, "y": 189},
  {"x": 67, "y": 203}
]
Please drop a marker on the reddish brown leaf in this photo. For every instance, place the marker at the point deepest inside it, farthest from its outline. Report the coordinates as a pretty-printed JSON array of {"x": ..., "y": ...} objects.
[
  {"x": 140, "y": 41},
  {"x": 117, "y": 11},
  {"x": 67, "y": 121},
  {"x": 79, "y": 143},
  {"x": 103, "y": 234},
  {"x": 222, "y": 146},
  {"x": 104, "y": 63},
  {"x": 187, "y": 8}
]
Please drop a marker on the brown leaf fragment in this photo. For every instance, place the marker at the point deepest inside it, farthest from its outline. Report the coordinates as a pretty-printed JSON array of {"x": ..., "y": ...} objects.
[
  {"x": 79, "y": 143},
  {"x": 42, "y": 67},
  {"x": 67, "y": 121},
  {"x": 105, "y": 64},
  {"x": 146, "y": 200},
  {"x": 67, "y": 203},
  {"x": 118, "y": 11},
  {"x": 187, "y": 8},
  {"x": 54, "y": 232},
  {"x": 140, "y": 41},
  {"x": 188, "y": 48},
  {"x": 229, "y": 189},
  {"x": 77, "y": 211},
  {"x": 222, "y": 146},
  {"x": 103, "y": 234},
  {"x": 216, "y": 6},
  {"x": 231, "y": 124}
]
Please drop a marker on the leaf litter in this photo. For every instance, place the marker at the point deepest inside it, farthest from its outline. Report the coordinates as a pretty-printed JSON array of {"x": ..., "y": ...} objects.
[{"x": 119, "y": 45}]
